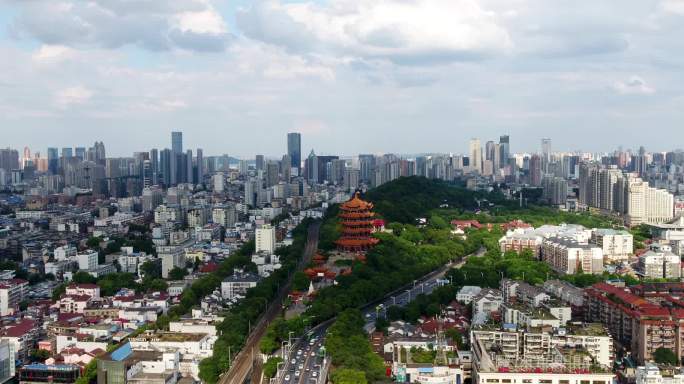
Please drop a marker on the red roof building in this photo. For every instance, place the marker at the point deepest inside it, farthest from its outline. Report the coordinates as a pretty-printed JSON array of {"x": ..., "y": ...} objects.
[
  {"x": 644, "y": 317},
  {"x": 515, "y": 224},
  {"x": 463, "y": 224}
]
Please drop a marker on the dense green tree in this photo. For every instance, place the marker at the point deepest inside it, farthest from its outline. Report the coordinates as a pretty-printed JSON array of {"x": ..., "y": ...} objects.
[
  {"x": 349, "y": 347},
  {"x": 82, "y": 277},
  {"x": 300, "y": 282},
  {"x": 39, "y": 355},
  {"x": 665, "y": 356},
  {"x": 209, "y": 370},
  {"x": 348, "y": 376},
  {"x": 93, "y": 242},
  {"x": 151, "y": 269},
  {"x": 177, "y": 273},
  {"x": 154, "y": 285},
  {"x": 271, "y": 366}
]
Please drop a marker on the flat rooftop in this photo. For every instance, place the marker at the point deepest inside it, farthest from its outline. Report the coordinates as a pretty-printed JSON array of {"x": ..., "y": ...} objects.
[{"x": 170, "y": 337}]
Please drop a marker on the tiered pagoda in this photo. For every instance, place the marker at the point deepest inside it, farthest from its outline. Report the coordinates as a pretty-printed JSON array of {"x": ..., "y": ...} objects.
[{"x": 356, "y": 217}]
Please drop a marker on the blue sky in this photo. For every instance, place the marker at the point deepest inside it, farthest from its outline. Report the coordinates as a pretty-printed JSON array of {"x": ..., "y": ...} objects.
[{"x": 353, "y": 76}]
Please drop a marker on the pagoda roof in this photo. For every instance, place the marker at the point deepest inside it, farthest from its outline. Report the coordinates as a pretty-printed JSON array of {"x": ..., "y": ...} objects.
[{"x": 356, "y": 204}]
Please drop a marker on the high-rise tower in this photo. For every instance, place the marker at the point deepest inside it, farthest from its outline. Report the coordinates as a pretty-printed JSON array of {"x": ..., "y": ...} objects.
[{"x": 294, "y": 150}]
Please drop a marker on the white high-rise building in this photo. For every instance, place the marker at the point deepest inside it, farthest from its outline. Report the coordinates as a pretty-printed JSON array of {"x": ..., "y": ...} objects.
[
  {"x": 644, "y": 204},
  {"x": 265, "y": 239},
  {"x": 218, "y": 180}
]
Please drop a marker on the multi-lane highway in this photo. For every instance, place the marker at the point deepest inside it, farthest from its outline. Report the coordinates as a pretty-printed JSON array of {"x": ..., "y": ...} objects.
[
  {"x": 305, "y": 362},
  {"x": 314, "y": 369},
  {"x": 244, "y": 361}
]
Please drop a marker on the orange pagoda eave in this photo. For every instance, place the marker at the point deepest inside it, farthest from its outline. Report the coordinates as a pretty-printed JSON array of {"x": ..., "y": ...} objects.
[{"x": 357, "y": 225}]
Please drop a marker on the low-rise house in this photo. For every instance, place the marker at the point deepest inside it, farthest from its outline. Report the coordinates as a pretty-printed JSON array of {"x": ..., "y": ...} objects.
[
  {"x": 485, "y": 303},
  {"x": 92, "y": 290},
  {"x": 74, "y": 303},
  {"x": 467, "y": 293},
  {"x": 565, "y": 292},
  {"x": 22, "y": 335}
]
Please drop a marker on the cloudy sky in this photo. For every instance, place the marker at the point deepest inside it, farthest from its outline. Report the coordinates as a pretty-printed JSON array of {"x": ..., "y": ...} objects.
[{"x": 352, "y": 75}]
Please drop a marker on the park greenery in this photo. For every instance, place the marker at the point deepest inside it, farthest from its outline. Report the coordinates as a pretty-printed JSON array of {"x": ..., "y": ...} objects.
[
  {"x": 408, "y": 198},
  {"x": 281, "y": 330},
  {"x": 271, "y": 366},
  {"x": 414, "y": 248},
  {"x": 351, "y": 352}
]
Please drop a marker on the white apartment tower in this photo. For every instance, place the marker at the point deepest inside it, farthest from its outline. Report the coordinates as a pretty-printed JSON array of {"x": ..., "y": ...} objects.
[{"x": 265, "y": 239}]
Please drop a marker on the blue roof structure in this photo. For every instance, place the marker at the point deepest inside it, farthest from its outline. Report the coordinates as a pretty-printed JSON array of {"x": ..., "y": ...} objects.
[{"x": 122, "y": 352}]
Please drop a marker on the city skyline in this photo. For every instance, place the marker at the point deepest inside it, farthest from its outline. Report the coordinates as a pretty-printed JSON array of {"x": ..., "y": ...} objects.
[
  {"x": 231, "y": 80},
  {"x": 467, "y": 150}
]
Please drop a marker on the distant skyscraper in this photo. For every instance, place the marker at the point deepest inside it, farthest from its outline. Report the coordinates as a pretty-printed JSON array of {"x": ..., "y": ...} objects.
[
  {"x": 546, "y": 154},
  {"x": 178, "y": 164},
  {"x": 100, "y": 153},
  {"x": 53, "y": 160},
  {"x": 505, "y": 149},
  {"x": 475, "y": 155},
  {"x": 154, "y": 166},
  {"x": 67, "y": 153},
  {"x": 81, "y": 153},
  {"x": 489, "y": 150},
  {"x": 190, "y": 170},
  {"x": 535, "y": 170},
  {"x": 200, "y": 166},
  {"x": 9, "y": 159},
  {"x": 366, "y": 167},
  {"x": 259, "y": 162},
  {"x": 165, "y": 160},
  {"x": 177, "y": 142},
  {"x": 294, "y": 150}
]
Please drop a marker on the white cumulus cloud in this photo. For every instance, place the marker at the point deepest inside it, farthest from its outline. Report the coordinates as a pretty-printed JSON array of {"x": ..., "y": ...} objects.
[
  {"x": 193, "y": 25},
  {"x": 403, "y": 31}
]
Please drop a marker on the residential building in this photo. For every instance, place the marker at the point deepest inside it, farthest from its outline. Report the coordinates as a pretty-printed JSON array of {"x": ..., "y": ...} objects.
[
  {"x": 617, "y": 245},
  {"x": 643, "y": 318},
  {"x": 650, "y": 373},
  {"x": 467, "y": 293},
  {"x": 265, "y": 239},
  {"x": 533, "y": 359},
  {"x": 485, "y": 303},
  {"x": 236, "y": 286},
  {"x": 12, "y": 292},
  {"x": 520, "y": 239},
  {"x": 660, "y": 263},
  {"x": 567, "y": 255},
  {"x": 88, "y": 261}
]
